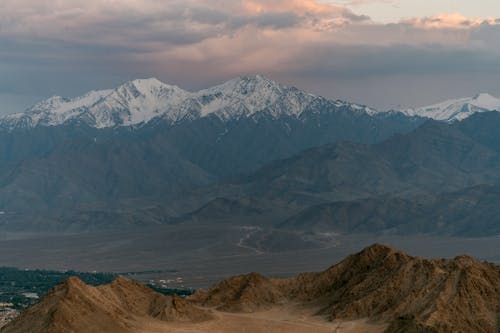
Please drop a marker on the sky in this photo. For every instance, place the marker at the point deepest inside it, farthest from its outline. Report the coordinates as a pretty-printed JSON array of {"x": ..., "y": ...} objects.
[
  {"x": 381, "y": 53},
  {"x": 387, "y": 11}
]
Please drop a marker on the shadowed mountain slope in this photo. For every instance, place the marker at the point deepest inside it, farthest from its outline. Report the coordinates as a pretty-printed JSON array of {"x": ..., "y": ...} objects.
[
  {"x": 435, "y": 158},
  {"x": 482, "y": 128},
  {"x": 470, "y": 212}
]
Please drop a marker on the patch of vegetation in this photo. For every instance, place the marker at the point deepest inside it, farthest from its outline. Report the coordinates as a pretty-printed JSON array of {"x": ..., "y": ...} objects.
[
  {"x": 169, "y": 291},
  {"x": 23, "y": 288}
]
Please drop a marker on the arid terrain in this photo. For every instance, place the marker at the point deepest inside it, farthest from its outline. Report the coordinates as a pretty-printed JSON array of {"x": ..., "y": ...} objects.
[
  {"x": 271, "y": 321},
  {"x": 379, "y": 289}
]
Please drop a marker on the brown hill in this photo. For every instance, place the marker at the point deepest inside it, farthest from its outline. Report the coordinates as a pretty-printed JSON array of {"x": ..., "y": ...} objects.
[
  {"x": 243, "y": 293},
  {"x": 385, "y": 285},
  {"x": 121, "y": 306}
]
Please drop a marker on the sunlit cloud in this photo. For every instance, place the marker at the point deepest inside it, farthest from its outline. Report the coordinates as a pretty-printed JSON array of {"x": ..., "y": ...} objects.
[{"x": 450, "y": 21}]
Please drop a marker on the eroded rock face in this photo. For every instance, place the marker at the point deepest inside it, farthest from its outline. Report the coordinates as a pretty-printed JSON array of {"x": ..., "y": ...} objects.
[
  {"x": 243, "y": 293},
  {"x": 381, "y": 283}
]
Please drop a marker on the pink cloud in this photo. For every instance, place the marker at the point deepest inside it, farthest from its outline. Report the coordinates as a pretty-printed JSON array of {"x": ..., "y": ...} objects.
[
  {"x": 298, "y": 6},
  {"x": 76, "y": 18},
  {"x": 450, "y": 21}
]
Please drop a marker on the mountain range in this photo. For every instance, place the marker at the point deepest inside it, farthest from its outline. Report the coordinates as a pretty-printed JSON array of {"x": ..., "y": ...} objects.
[
  {"x": 379, "y": 290},
  {"x": 248, "y": 151},
  {"x": 141, "y": 101}
]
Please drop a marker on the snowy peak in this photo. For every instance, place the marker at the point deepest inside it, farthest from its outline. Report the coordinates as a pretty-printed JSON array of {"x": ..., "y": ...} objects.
[
  {"x": 151, "y": 87},
  {"x": 248, "y": 95},
  {"x": 252, "y": 88},
  {"x": 457, "y": 109},
  {"x": 486, "y": 101},
  {"x": 139, "y": 101}
]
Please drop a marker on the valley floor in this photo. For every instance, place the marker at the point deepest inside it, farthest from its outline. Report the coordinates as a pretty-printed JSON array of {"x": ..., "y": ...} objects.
[
  {"x": 277, "y": 320},
  {"x": 188, "y": 256}
]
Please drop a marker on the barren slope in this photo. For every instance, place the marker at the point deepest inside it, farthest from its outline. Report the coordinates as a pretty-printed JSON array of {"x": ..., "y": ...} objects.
[
  {"x": 384, "y": 285},
  {"x": 122, "y": 306}
]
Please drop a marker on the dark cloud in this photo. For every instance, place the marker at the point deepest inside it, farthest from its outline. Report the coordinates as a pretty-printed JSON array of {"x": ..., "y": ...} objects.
[
  {"x": 356, "y": 18},
  {"x": 380, "y": 61},
  {"x": 487, "y": 36},
  {"x": 277, "y": 20}
]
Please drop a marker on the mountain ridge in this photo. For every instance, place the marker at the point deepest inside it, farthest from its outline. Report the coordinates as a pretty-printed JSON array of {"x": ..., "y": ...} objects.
[
  {"x": 140, "y": 101},
  {"x": 456, "y": 109}
]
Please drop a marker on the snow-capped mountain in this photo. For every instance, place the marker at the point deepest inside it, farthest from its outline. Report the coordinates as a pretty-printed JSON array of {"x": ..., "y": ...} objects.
[
  {"x": 457, "y": 109},
  {"x": 246, "y": 96},
  {"x": 53, "y": 111},
  {"x": 139, "y": 101},
  {"x": 132, "y": 103}
]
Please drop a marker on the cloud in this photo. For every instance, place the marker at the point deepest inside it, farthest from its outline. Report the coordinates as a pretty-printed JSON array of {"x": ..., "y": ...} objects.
[
  {"x": 299, "y": 6},
  {"x": 114, "y": 21},
  {"x": 126, "y": 33},
  {"x": 363, "y": 2},
  {"x": 450, "y": 21},
  {"x": 67, "y": 47}
]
